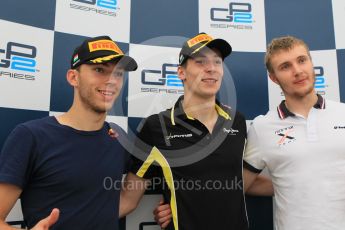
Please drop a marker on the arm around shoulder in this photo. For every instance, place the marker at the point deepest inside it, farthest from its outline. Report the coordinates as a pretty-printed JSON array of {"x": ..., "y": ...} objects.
[{"x": 256, "y": 184}]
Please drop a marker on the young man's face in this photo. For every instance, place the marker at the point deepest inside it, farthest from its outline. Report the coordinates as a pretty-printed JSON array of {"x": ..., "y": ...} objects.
[
  {"x": 99, "y": 85},
  {"x": 293, "y": 71},
  {"x": 203, "y": 73}
]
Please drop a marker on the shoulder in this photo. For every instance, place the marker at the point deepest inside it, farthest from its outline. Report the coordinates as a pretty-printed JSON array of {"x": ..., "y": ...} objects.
[
  {"x": 35, "y": 126},
  {"x": 156, "y": 120},
  {"x": 38, "y": 123},
  {"x": 29, "y": 134},
  {"x": 268, "y": 117},
  {"x": 239, "y": 116},
  {"x": 233, "y": 113}
]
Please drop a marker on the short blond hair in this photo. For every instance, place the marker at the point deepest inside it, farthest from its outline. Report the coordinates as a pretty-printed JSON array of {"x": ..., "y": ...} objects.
[{"x": 282, "y": 43}]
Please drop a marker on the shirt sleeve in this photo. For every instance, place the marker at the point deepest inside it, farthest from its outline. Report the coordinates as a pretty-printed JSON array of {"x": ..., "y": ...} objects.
[
  {"x": 16, "y": 158},
  {"x": 253, "y": 156}
]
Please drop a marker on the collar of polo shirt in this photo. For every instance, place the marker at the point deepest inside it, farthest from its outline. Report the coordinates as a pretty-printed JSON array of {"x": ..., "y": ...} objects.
[
  {"x": 177, "y": 110},
  {"x": 284, "y": 112}
]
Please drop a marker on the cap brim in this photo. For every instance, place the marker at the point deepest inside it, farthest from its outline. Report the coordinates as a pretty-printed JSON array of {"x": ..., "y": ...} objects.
[
  {"x": 127, "y": 62},
  {"x": 221, "y": 45}
]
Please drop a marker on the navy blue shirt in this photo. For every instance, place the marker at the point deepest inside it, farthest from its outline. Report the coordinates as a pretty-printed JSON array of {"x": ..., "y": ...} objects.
[{"x": 56, "y": 166}]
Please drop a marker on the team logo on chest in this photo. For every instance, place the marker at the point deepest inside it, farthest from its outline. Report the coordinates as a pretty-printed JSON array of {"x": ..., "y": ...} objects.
[
  {"x": 173, "y": 136},
  {"x": 230, "y": 131},
  {"x": 286, "y": 135}
]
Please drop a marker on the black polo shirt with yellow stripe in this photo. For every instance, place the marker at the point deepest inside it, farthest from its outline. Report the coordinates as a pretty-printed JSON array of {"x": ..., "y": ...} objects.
[{"x": 202, "y": 171}]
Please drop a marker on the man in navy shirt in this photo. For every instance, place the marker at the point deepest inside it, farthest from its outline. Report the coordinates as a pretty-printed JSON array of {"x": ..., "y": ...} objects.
[{"x": 58, "y": 165}]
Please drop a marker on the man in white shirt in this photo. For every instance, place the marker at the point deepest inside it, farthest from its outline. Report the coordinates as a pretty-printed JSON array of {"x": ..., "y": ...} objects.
[{"x": 302, "y": 144}]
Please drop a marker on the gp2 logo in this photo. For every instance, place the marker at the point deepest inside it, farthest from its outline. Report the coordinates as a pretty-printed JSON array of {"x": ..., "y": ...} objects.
[
  {"x": 236, "y": 12},
  {"x": 109, "y": 4},
  {"x": 162, "y": 77},
  {"x": 19, "y": 57},
  {"x": 320, "y": 81}
]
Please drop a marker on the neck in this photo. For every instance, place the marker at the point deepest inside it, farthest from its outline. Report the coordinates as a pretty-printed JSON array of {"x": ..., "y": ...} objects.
[
  {"x": 301, "y": 105},
  {"x": 202, "y": 109},
  {"x": 81, "y": 118}
]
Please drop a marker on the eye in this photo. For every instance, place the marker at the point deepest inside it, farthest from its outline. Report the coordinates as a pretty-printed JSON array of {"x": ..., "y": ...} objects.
[
  {"x": 99, "y": 69},
  {"x": 118, "y": 74},
  {"x": 200, "y": 61},
  {"x": 218, "y": 61},
  {"x": 284, "y": 66},
  {"x": 302, "y": 60}
]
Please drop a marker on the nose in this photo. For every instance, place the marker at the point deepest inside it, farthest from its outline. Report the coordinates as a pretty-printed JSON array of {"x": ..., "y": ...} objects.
[
  {"x": 109, "y": 79},
  {"x": 113, "y": 78},
  {"x": 297, "y": 69},
  {"x": 210, "y": 66},
  {"x": 112, "y": 82}
]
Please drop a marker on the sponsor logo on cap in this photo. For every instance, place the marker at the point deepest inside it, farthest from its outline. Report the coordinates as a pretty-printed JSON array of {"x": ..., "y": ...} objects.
[
  {"x": 104, "y": 59},
  {"x": 198, "y": 39},
  {"x": 75, "y": 58},
  {"x": 104, "y": 45}
]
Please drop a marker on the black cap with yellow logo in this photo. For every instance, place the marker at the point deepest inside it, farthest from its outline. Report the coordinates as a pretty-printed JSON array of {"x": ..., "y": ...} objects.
[
  {"x": 199, "y": 42},
  {"x": 101, "y": 49}
]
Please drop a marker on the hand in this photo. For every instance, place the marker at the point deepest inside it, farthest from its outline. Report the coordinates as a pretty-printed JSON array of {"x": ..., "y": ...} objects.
[
  {"x": 162, "y": 214},
  {"x": 47, "y": 222}
]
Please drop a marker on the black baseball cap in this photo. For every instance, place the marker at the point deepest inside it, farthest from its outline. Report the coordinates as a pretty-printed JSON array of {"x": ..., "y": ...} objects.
[
  {"x": 199, "y": 42},
  {"x": 101, "y": 49}
]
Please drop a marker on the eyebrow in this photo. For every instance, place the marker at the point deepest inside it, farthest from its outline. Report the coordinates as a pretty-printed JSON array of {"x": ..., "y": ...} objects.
[
  {"x": 302, "y": 56},
  {"x": 105, "y": 65},
  {"x": 204, "y": 56},
  {"x": 284, "y": 63}
]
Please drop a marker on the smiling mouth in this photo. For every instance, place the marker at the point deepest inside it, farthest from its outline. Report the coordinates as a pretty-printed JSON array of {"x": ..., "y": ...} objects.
[
  {"x": 106, "y": 93},
  {"x": 301, "y": 81},
  {"x": 209, "y": 80}
]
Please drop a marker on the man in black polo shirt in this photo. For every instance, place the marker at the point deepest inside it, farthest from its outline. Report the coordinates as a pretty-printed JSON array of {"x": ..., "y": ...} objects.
[{"x": 196, "y": 146}]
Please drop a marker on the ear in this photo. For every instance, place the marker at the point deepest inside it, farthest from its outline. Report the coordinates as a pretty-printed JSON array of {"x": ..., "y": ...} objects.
[
  {"x": 72, "y": 77},
  {"x": 181, "y": 72},
  {"x": 273, "y": 78}
]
